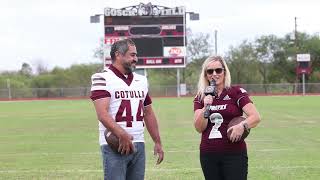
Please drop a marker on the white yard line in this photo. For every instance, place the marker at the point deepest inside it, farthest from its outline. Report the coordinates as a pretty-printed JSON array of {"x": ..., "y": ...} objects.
[
  {"x": 148, "y": 169},
  {"x": 98, "y": 152},
  {"x": 52, "y": 171},
  {"x": 275, "y": 149},
  {"x": 286, "y": 167},
  {"x": 182, "y": 151},
  {"x": 48, "y": 153},
  {"x": 260, "y": 140}
]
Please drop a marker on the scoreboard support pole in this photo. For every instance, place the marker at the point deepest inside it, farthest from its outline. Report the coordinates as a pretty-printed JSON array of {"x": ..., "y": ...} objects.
[
  {"x": 178, "y": 82},
  {"x": 145, "y": 72},
  {"x": 303, "y": 84}
]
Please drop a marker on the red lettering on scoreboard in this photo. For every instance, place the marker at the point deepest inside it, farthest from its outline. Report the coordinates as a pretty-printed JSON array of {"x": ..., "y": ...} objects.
[
  {"x": 111, "y": 40},
  {"x": 175, "y": 51}
]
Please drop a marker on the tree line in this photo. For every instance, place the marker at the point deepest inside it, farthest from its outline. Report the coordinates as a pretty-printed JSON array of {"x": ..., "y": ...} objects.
[{"x": 266, "y": 60}]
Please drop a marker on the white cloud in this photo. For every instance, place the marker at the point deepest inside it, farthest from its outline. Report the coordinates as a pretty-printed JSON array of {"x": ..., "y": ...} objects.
[{"x": 59, "y": 31}]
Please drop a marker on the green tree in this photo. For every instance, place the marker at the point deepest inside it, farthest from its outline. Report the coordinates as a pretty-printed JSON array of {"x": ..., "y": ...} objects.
[
  {"x": 99, "y": 51},
  {"x": 243, "y": 64},
  {"x": 26, "y": 70},
  {"x": 192, "y": 73},
  {"x": 198, "y": 49},
  {"x": 311, "y": 45},
  {"x": 266, "y": 47},
  {"x": 198, "y": 46}
]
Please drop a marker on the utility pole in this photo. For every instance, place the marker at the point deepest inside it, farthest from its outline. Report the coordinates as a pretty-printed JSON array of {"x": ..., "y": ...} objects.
[
  {"x": 295, "y": 34},
  {"x": 192, "y": 17},
  {"x": 295, "y": 50}
]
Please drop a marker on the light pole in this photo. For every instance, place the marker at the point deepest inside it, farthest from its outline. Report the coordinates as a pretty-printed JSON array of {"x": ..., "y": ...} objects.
[
  {"x": 95, "y": 18},
  {"x": 192, "y": 17},
  {"x": 215, "y": 43},
  {"x": 99, "y": 53}
]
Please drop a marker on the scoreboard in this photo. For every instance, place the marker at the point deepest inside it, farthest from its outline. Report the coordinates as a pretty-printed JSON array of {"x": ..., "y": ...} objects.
[{"x": 159, "y": 34}]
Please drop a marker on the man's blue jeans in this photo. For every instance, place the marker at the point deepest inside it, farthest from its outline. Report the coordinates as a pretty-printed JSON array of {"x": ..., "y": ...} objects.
[{"x": 124, "y": 167}]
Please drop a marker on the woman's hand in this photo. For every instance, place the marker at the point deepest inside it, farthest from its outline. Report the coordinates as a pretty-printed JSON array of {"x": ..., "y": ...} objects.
[
  {"x": 207, "y": 100},
  {"x": 237, "y": 131}
]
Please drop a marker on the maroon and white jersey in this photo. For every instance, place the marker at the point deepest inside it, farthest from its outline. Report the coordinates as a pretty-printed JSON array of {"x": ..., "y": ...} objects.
[
  {"x": 128, "y": 96},
  {"x": 223, "y": 109}
]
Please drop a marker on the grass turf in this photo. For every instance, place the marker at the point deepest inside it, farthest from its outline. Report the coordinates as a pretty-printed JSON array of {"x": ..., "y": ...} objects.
[{"x": 59, "y": 140}]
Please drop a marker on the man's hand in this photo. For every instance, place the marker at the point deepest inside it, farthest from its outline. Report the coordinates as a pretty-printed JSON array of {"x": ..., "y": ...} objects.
[
  {"x": 158, "y": 152},
  {"x": 125, "y": 143}
]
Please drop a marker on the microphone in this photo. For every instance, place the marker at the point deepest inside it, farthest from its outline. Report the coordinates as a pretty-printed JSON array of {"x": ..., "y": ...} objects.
[{"x": 210, "y": 90}]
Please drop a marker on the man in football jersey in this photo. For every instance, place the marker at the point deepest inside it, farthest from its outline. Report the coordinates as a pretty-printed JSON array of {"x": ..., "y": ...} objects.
[
  {"x": 123, "y": 108},
  {"x": 222, "y": 157}
]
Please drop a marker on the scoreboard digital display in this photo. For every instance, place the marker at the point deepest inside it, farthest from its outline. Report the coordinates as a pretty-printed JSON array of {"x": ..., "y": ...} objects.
[{"x": 158, "y": 32}]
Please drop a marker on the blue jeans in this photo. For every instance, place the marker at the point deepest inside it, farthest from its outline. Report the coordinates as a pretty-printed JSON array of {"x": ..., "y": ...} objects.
[{"x": 124, "y": 167}]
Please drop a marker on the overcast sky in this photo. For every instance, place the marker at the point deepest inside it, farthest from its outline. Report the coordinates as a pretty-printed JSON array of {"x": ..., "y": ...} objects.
[{"x": 58, "y": 32}]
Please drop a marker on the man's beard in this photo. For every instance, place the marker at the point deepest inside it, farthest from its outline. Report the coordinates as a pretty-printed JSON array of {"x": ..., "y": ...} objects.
[{"x": 129, "y": 67}]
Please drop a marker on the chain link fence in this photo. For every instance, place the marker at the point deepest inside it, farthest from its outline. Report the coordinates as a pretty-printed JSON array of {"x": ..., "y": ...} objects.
[{"x": 158, "y": 91}]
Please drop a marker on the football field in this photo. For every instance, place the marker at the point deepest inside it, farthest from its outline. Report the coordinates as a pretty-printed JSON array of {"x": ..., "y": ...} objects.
[{"x": 58, "y": 139}]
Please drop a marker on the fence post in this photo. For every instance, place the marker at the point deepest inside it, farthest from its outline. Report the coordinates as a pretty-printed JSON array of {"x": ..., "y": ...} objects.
[
  {"x": 9, "y": 89},
  {"x": 61, "y": 92}
]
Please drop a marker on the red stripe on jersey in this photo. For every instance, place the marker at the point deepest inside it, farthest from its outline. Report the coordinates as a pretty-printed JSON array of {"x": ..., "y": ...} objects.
[
  {"x": 98, "y": 94},
  {"x": 98, "y": 79},
  {"x": 244, "y": 100},
  {"x": 99, "y": 84},
  {"x": 147, "y": 101}
]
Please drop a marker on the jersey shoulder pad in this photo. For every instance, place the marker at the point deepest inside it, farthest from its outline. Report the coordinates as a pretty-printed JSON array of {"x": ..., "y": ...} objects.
[
  {"x": 237, "y": 90},
  {"x": 98, "y": 81}
]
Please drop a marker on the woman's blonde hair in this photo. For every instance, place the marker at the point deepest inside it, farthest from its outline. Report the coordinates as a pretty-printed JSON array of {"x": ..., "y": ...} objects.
[{"x": 203, "y": 82}]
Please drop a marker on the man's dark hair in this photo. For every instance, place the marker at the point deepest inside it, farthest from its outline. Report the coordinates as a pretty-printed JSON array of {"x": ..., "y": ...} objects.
[{"x": 121, "y": 46}]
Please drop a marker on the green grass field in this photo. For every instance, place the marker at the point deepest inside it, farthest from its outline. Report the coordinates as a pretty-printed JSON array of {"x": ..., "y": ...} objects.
[{"x": 59, "y": 140}]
